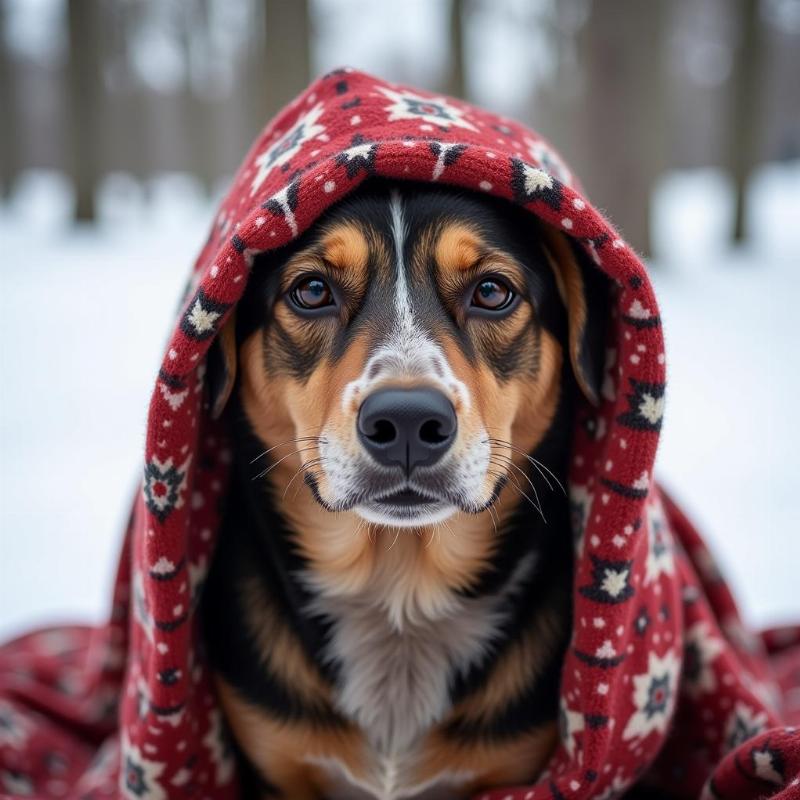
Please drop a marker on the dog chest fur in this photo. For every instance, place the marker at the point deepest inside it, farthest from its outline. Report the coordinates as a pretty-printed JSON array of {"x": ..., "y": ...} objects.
[{"x": 398, "y": 655}]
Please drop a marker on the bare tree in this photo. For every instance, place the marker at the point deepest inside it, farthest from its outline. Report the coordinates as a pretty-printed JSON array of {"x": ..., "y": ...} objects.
[
  {"x": 85, "y": 92},
  {"x": 624, "y": 110},
  {"x": 455, "y": 83},
  {"x": 8, "y": 101},
  {"x": 745, "y": 121},
  {"x": 287, "y": 54}
]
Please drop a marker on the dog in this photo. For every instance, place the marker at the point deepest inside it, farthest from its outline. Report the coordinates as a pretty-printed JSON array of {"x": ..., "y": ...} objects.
[{"x": 390, "y": 600}]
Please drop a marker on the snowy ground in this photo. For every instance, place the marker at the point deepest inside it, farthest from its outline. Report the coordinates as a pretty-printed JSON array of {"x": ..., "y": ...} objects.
[{"x": 84, "y": 313}]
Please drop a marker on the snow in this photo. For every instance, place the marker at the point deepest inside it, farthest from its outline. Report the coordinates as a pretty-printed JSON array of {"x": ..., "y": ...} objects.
[{"x": 84, "y": 315}]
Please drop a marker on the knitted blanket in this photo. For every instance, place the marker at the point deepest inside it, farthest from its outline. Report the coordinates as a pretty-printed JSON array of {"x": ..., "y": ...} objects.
[{"x": 661, "y": 686}]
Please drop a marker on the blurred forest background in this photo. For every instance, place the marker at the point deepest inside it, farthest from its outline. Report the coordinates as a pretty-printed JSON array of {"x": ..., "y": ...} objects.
[{"x": 98, "y": 88}]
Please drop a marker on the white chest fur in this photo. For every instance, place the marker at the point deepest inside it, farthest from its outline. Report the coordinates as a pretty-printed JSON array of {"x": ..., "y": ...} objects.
[{"x": 396, "y": 655}]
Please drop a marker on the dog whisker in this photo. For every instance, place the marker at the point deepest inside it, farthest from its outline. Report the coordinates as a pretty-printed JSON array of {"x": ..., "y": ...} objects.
[
  {"x": 289, "y": 441},
  {"x": 304, "y": 466},
  {"x": 516, "y": 486},
  {"x": 522, "y": 472},
  {"x": 288, "y": 455},
  {"x": 540, "y": 466}
]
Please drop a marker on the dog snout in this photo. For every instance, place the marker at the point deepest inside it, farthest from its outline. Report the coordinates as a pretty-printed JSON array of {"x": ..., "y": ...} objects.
[{"x": 407, "y": 427}]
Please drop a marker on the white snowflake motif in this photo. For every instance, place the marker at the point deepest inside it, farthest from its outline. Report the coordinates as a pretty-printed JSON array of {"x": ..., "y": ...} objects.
[
  {"x": 700, "y": 650},
  {"x": 615, "y": 581},
  {"x": 174, "y": 399},
  {"x": 767, "y": 765},
  {"x": 139, "y": 775},
  {"x": 217, "y": 743},
  {"x": 638, "y": 311},
  {"x": 569, "y": 723},
  {"x": 163, "y": 486},
  {"x": 434, "y": 110},
  {"x": 549, "y": 160},
  {"x": 642, "y": 483},
  {"x": 743, "y": 723},
  {"x": 280, "y": 152},
  {"x": 202, "y": 319},
  {"x": 654, "y": 696},
  {"x": 660, "y": 560},
  {"x": 14, "y": 728},
  {"x": 652, "y": 408},
  {"x": 535, "y": 179}
]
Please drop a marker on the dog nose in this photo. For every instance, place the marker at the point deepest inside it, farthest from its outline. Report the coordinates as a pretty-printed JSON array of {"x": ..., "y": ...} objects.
[{"x": 408, "y": 427}]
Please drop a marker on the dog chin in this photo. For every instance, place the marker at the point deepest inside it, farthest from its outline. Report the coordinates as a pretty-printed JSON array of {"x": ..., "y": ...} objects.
[{"x": 415, "y": 517}]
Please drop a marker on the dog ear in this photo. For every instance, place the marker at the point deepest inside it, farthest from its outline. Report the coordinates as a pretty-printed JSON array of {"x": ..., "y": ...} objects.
[
  {"x": 584, "y": 292},
  {"x": 221, "y": 366}
]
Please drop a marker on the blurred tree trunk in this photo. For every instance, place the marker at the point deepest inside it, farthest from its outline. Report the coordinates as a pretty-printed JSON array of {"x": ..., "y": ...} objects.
[
  {"x": 85, "y": 87},
  {"x": 287, "y": 52},
  {"x": 455, "y": 84},
  {"x": 744, "y": 118},
  {"x": 624, "y": 107},
  {"x": 8, "y": 104},
  {"x": 196, "y": 119}
]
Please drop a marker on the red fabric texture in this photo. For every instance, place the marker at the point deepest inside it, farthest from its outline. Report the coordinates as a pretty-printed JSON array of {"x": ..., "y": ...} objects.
[{"x": 661, "y": 684}]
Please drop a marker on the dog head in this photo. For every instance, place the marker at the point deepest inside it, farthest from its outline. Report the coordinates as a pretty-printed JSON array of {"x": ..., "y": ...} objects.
[{"x": 406, "y": 352}]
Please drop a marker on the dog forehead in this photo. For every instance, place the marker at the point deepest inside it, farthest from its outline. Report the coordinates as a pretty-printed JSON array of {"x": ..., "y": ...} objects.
[{"x": 404, "y": 223}]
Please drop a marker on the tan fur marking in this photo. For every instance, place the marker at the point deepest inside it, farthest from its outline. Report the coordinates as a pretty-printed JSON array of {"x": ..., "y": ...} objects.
[
  {"x": 281, "y": 750},
  {"x": 497, "y": 764},
  {"x": 458, "y": 247},
  {"x": 345, "y": 246}
]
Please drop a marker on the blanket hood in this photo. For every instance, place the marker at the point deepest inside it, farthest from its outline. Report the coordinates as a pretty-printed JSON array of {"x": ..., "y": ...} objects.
[{"x": 661, "y": 682}]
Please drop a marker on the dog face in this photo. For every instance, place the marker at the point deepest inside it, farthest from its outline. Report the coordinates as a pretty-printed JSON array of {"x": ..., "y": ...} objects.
[{"x": 407, "y": 353}]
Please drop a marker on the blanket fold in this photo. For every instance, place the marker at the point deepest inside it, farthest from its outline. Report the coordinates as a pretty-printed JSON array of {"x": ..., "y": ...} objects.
[{"x": 662, "y": 685}]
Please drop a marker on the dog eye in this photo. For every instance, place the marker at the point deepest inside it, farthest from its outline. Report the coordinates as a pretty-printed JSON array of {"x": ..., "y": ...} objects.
[
  {"x": 312, "y": 293},
  {"x": 492, "y": 294}
]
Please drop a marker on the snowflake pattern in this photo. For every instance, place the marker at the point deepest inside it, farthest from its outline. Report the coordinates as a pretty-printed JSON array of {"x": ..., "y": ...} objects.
[
  {"x": 164, "y": 484},
  {"x": 744, "y": 722},
  {"x": 654, "y": 696},
  {"x": 139, "y": 775},
  {"x": 610, "y": 581},
  {"x": 570, "y": 723},
  {"x": 14, "y": 727},
  {"x": 659, "y": 548},
  {"x": 287, "y": 146},
  {"x": 407, "y": 105},
  {"x": 701, "y": 648}
]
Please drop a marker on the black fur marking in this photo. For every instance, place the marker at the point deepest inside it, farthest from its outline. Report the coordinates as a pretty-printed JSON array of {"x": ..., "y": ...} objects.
[{"x": 537, "y": 705}]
